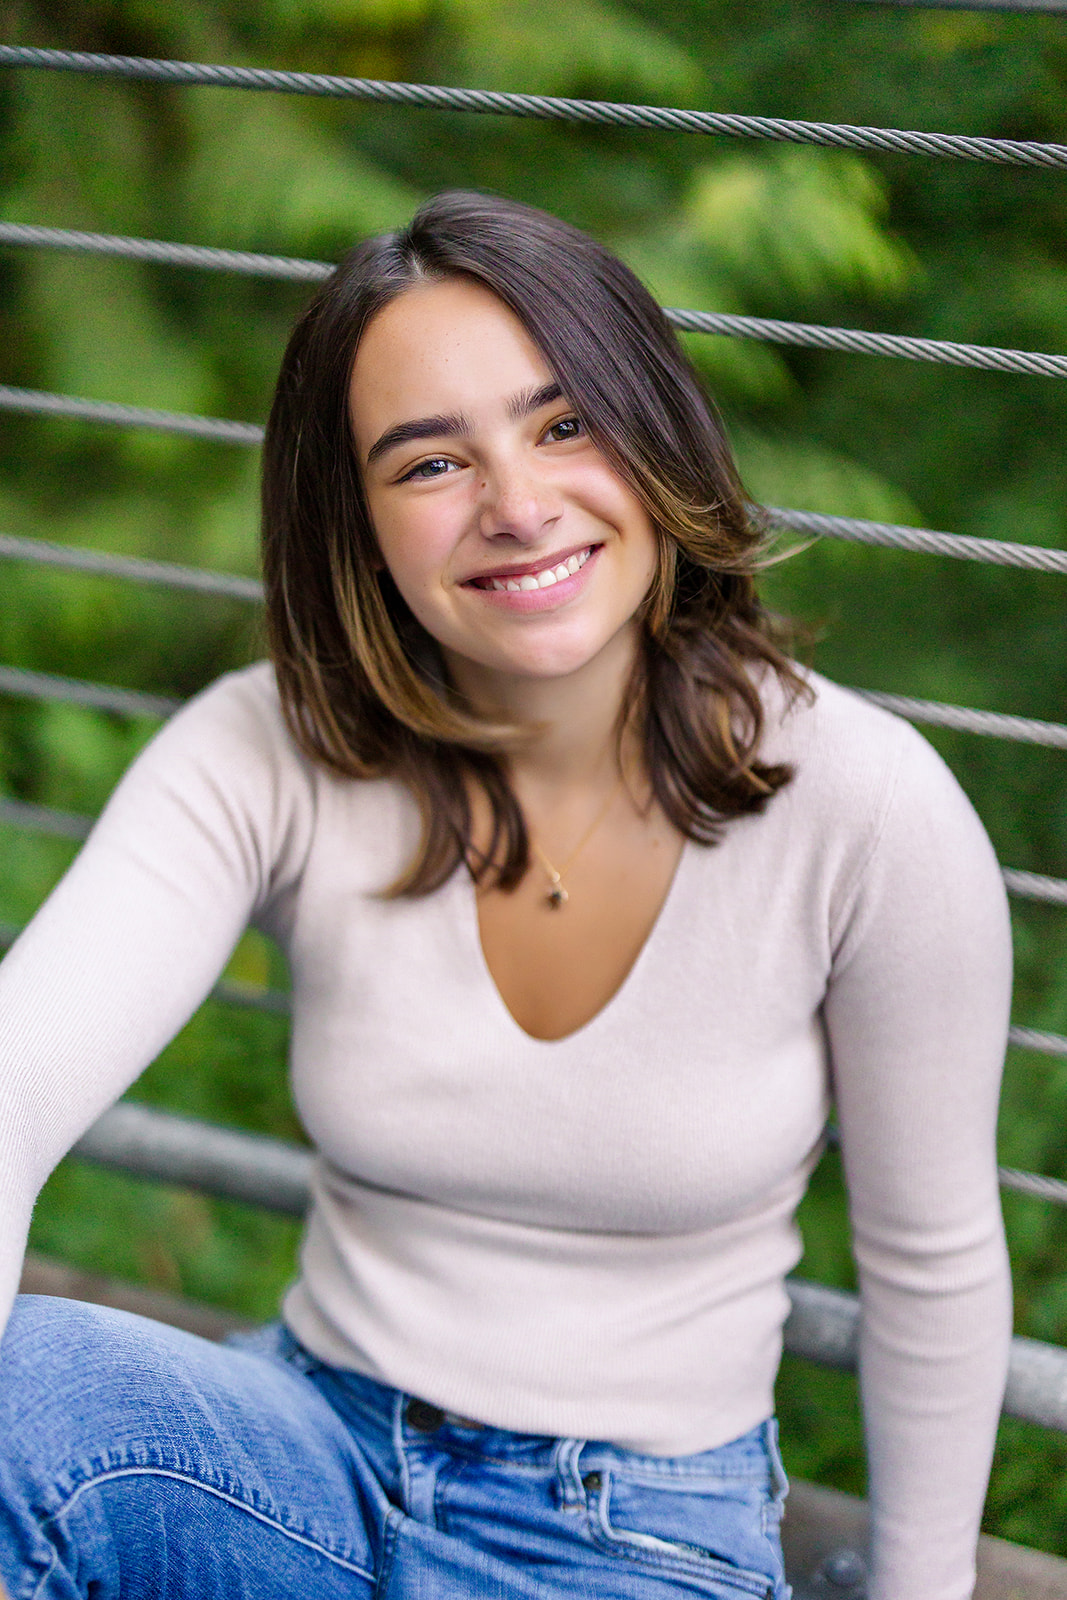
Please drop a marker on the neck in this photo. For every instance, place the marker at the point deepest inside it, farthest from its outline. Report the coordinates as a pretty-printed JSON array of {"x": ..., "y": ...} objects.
[{"x": 576, "y": 747}]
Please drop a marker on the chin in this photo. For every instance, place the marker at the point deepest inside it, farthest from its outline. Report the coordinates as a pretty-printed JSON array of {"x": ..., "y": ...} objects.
[{"x": 552, "y": 665}]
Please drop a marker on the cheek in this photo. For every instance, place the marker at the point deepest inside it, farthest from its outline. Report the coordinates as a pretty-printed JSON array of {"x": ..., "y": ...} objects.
[
  {"x": 414, "y": 550},
  {"x": 610, "y": 498}
]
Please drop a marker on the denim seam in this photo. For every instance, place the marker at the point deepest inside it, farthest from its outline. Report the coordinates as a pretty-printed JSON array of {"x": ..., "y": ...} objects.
[
  {"x": 44, "y": 1575},
  {"x": 207, "y": 1488},
  {"x": 444, "y": 1478},
  {"x": 400, "y": 1452},
  {"x": 524, "y": 1469},
  {"x": 394, "y": 1521},
  {"x": 680, "y": 1482},
  {"x": 666, "y": 1477}
]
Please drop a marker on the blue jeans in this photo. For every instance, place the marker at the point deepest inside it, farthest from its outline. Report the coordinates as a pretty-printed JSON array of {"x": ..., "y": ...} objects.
[{"x": 139, "y": 1461}]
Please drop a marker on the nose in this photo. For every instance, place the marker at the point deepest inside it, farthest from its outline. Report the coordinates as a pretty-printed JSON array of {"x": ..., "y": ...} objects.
[{"x": 517, "y": 501}]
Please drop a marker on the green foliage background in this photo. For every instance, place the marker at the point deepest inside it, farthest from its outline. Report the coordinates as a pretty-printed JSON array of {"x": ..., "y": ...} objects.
[{"x": 943, "y": 249}]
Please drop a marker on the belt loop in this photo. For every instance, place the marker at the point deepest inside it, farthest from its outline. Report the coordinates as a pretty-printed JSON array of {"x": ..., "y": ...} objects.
[
  {"x": 568, "y": 1477},
  {"x": 400, "y": 1452},
  {"x": 774, "y": 1456}
]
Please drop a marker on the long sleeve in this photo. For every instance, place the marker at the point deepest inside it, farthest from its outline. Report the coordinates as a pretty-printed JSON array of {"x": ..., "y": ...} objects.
[
  {"x": 916, "y": 1016},
  {"x": 133, "y": 937}
]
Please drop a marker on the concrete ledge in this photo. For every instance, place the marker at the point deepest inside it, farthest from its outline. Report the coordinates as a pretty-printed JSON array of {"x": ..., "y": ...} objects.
[
  {"x": 818, "y": 1521},
  {"x": 42, "y": 1275}
]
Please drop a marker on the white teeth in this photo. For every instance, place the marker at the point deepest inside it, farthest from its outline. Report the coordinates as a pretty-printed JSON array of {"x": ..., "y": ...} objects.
[{"x": 546, "y": 577}]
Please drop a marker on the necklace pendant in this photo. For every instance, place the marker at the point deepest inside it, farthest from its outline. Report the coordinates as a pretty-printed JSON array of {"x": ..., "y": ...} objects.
[{"x": 557, "y": 896}]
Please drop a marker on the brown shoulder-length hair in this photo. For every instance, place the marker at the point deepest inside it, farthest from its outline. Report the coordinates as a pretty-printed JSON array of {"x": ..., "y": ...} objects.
[{"x": 363, "y": 685}]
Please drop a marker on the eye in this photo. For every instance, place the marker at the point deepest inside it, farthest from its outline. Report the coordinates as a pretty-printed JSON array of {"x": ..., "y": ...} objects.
[
  {"x": 433, "y": 467},
  {"x": 566, "y": 428}
]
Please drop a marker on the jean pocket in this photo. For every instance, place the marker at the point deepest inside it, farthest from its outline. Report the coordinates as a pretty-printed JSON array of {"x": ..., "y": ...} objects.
[{"x": 715, "y": 1537}]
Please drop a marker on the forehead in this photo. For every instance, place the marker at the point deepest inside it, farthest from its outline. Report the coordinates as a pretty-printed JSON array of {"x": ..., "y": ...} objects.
[{"x": 438, "y": 347}]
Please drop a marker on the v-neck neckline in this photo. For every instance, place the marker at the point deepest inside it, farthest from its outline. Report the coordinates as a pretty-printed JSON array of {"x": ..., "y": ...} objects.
[{"x": 469, "y": 900}]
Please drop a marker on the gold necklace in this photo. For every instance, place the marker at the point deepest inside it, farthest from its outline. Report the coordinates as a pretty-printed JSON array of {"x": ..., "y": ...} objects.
[{"x": 557, "y": 895}]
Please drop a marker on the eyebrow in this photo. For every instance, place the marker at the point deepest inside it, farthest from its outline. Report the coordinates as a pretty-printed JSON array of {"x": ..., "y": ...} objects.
[
  {"x": 456, "y": 425},
  {"x": 531, "y": 400}
]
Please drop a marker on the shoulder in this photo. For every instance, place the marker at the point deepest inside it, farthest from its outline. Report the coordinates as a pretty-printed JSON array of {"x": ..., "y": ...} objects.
[
  {"x": 874, "y": 802},
  {"x": 852, "y": 756},
  {"x": 232, "y": 734},
  {"x": 224, "y": 764},
  {"x": 826, "y": 720},
  {"x": 244, "y": 702}
]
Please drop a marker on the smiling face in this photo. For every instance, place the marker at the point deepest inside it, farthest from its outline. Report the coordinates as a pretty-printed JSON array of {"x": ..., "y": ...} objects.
[{"x": 510, "y": 537}]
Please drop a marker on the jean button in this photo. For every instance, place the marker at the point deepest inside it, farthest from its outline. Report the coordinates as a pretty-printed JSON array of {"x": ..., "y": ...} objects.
[{"x": 423, "y": 1416}]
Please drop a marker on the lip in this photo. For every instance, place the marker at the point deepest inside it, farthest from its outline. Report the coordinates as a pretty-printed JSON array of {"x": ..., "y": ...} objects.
[
  {"x": 553, "y": 560},
  {"x": 525, "y": 601}
]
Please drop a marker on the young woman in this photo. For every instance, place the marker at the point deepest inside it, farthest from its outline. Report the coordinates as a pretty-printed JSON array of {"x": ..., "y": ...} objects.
[{"x": 593, "y": 903}]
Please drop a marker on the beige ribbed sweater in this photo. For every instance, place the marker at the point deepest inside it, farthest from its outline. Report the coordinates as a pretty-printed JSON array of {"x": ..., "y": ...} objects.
[{"x": 586, "y": 1236}]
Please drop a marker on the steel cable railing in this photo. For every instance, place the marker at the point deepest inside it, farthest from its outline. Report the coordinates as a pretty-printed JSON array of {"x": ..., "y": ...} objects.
[
  {"x": 1045, "y": 7},
  {"x": 245, "y": 262},
  {"x": 992, "y": 724},
  {"x": 925, "y": 541},
  {"x": 36, "y": 402},
  {"x": 896, "y": 536},
  {"x": 545, "y": 108},
  {"x": 814, "y": 336},
  {"x": 134, "y": 569},
  {"x": 990, "y": 358},
  {"x": 1035, "y": 886},
  {"x": 1049, "y": 1044},
  {"x": 137, "y": 703},
  {"x": 75, "y": 691}
]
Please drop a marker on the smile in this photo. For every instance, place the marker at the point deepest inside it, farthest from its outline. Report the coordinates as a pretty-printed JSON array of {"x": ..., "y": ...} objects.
[{"x": 541, "y": 578}]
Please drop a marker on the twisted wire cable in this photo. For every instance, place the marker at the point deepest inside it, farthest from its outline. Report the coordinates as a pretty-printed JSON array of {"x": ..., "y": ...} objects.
[
  {"x": 894, "y": 535},
  {"x": 40, "y": 403},
  {"x": 995, "y": 724},
  {"x": 45, "y": 819},
  {"x": 248, "y": 262},
  {"x": 42, "y": 552},
  {"x": 75, "y": 691},
  {"x": 999, "y": 552},
  {"x": 1048, "y": 1044},
  {"x": 990, "y": 358},
  {"x": 545, "y": 108},
  {"x": 1033, "y": 1183},
  {"x": 1035, "y": 886},
  {"x": 1042, "y": 6}
]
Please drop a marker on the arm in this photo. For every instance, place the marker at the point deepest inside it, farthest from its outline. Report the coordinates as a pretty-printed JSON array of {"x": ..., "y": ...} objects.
[
  {"x": 133, "y": 938},
  {"x": 917, "y": 1015}
]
